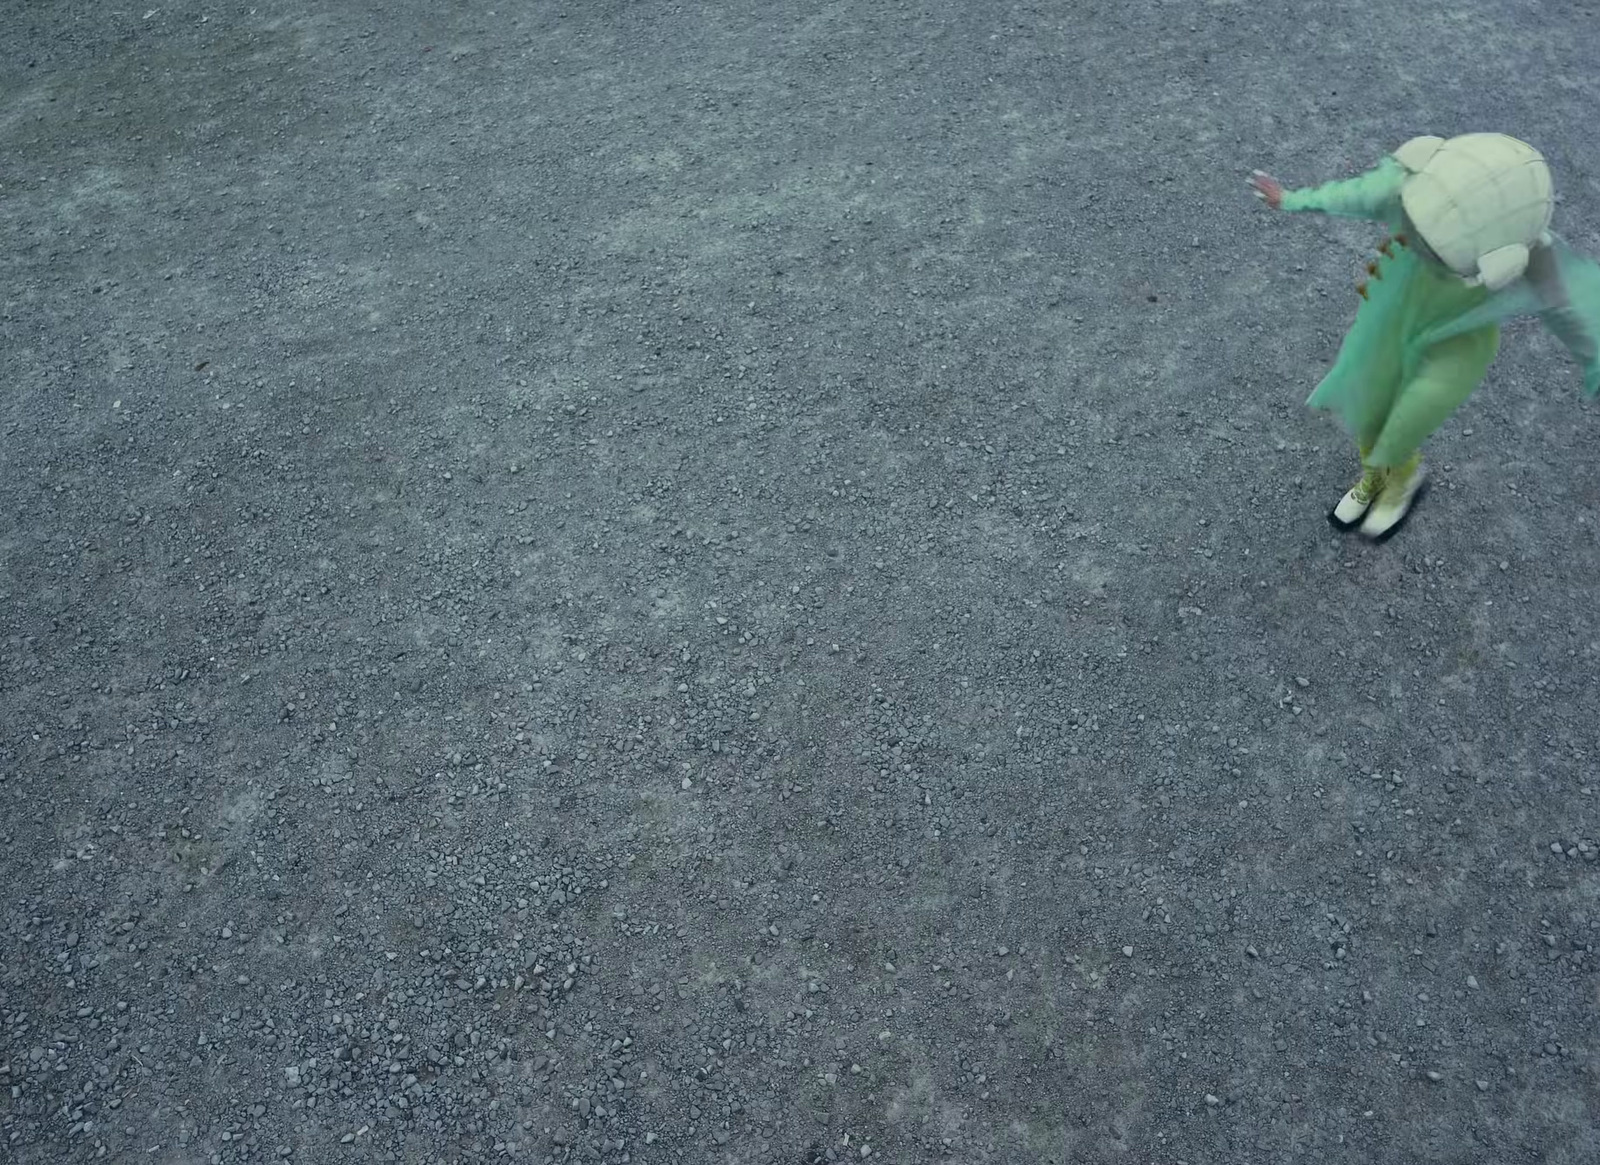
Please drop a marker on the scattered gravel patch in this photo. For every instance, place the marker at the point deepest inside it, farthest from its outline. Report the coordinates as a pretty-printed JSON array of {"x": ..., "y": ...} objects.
[{"x": 742, "y": 584}]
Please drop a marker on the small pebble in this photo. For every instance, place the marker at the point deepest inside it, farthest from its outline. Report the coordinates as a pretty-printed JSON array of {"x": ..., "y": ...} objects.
[{"x": 1128, "y": 952}]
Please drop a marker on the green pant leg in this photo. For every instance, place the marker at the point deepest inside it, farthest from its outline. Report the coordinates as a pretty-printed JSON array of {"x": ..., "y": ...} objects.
[{"x": 1443, "y": 380}]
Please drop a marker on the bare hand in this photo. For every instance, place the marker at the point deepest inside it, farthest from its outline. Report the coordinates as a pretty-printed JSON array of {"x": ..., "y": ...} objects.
[{"x": 1267, "y": 188}]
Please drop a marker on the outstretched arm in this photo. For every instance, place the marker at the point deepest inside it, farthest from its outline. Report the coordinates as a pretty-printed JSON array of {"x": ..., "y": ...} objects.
[
  {"x": 1569, "y": 288},
  {"x": 1373, "y": 195}
]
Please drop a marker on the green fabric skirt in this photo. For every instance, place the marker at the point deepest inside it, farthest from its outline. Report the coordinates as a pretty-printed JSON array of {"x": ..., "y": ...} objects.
[{"x": 1390, "y": 392}]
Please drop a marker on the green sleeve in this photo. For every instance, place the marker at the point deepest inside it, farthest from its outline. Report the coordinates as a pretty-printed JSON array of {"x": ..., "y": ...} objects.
[
  {"x": 1574, "y": 314},
  {"x": 1373, "y": 195}
]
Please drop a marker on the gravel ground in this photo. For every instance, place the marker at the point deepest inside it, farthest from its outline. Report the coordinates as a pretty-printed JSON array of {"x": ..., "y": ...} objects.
[{"x": 747, "y": 582}]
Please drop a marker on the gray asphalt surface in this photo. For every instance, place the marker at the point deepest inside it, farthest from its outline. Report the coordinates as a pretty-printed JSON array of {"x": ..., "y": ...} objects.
[{"x": 746, "y": 582}]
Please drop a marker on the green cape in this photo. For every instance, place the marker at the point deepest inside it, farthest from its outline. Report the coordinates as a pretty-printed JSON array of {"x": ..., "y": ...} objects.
[{"x": 1560, "y": 287}]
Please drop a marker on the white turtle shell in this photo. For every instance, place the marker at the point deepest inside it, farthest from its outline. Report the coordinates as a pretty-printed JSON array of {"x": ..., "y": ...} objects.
[{"x": 1480, "y": 201}]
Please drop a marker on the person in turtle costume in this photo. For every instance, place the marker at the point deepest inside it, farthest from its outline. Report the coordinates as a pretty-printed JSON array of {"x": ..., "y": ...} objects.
[{"x": 1469, "y": 247}]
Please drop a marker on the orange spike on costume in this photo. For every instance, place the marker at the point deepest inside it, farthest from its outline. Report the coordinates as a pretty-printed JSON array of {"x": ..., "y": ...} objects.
[
  {"x": 1361, "y": 290},
  {"x": 1372, "y": 270}
]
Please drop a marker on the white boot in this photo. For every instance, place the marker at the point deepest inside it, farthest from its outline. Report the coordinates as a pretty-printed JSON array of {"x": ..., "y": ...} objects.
[
  {"x": 1357, "y": 501},
  {"x": 1402, "y": 487}
]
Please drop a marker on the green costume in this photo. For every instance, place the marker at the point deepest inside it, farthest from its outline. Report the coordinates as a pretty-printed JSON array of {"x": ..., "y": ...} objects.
[{"x": 1423, "y": 337}]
